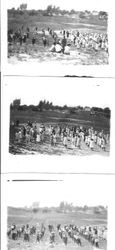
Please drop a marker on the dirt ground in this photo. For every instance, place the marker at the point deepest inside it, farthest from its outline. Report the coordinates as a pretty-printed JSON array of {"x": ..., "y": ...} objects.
[
  {"x": 44, "y": 244},
  {"x": 28, "y": 53},
  {"x": 59, "y": 149},
  {"x": 45, "y": 147}
]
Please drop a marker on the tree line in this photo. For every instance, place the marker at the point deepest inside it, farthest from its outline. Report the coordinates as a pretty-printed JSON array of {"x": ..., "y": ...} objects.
[
  {"x": 44, "y": 105},
  {"x": 54, "y": 10},
  {"x": 65, "y": 207}
]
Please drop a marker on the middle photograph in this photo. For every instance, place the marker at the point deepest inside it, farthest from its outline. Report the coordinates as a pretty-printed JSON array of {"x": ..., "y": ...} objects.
[{"x": 61, "y": 116}]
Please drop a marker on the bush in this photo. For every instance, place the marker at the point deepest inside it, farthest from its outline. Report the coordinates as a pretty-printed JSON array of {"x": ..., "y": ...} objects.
[{"x": 35, "y": 210}]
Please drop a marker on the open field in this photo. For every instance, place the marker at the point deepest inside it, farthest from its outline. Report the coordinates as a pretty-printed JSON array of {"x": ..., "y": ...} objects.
[
  {"x": 56, "y": 22},
  {"x": 61, "y": 119},
  {"x": 37, "y": 53},
  {"x": 22, "y": 217},
  {"x": 79, "y": 118}
]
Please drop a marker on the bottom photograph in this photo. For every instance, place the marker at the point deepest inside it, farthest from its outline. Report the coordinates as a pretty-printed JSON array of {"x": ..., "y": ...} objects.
[{"x": 44, "y": 214}]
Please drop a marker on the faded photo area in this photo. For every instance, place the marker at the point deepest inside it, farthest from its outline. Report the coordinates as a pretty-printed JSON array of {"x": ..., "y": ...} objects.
[
  {"x": 56, "y": 217},
  {"x": 65, "y": 117},
  {"x": 56, "y": 34}
]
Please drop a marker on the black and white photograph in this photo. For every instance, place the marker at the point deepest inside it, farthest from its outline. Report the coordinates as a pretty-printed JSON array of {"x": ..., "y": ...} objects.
[
  {"x": 57, "y": 124},
  {"x": 42, "y": 32},
  {"x": 56, "y": 217},
  {"x": 58, "y": 38},
  {"x": 59, "y": 118}
]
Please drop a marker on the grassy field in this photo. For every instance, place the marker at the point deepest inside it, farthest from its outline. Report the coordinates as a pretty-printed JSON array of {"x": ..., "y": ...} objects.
[
  {"x": 22, "y": 217},
  {"x": 55, "y": 22},
  {"x": 84, "y": 118},
  {"x": 37, "y": 53}
]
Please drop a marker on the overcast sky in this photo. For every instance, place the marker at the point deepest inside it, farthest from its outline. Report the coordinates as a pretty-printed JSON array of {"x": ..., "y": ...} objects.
[
  {"x": 73, "y": 4},
  {"x": 81, "y": 190},
  {"x": 42, "y": 4},
  {"x": 60, "y": 91}
]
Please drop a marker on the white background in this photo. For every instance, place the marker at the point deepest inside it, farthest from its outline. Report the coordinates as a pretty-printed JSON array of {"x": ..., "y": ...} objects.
[{"x": 13, "y": 87}]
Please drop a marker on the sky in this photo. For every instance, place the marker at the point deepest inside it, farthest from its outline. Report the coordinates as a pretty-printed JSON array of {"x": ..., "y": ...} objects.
[
  {"x": 81, "y": 190},
  {"x": 68, "y": 5},
  {"x": 60, "y": 91},
  {"x": 42, "y": 4}
]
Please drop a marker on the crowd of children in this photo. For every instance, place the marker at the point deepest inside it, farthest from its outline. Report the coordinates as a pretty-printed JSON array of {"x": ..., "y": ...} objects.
[
  {"x": 62, "y": 40},
  {"x": 65, "y": 135}
]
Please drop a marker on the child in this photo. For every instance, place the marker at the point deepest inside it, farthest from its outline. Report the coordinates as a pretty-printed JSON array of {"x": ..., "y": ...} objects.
[{"x": 91, "y": 144}]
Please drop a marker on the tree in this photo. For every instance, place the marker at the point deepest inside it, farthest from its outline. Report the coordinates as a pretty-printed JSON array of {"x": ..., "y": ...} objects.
[
  {"x": 103, "y": 15},
  {"x": 16, "y": 103},
  {"x": 85, "y": 208},
  {"x": 65, "y": 106},
  {"x": 13, "y": 9},
  {"x": 72, "y": 11},
  {"x": 62, "y": 205},
  {"x": 23, "y": 107},
  {"x": 23, "y": 6},
  {"x": 55, "y": 9},
  {"x": 11, "y": 106},
  {"x": 107, "y": 110},
  {"x": 35, "y": 207},
  {"x": 87, "y": 11},
  {"x": 97, "y": 210},
  {"x": 73, "y": 110},
  {"x": 79, "y": 108},
  {"x": 49, "y": 10},
  {"x": 51, "y": 104},
  {"x": 40, "y": 106}
]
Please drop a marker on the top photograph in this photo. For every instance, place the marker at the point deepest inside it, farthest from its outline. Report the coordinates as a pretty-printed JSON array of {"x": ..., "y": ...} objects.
[
  {"x": 57, "y": 35},
  {"x": 60, "y": 36}
]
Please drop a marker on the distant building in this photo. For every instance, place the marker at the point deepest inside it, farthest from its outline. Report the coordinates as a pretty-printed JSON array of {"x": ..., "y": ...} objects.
[
  {"x": 87, "y": 109},
  {"x": 74, "y": 16},
  {"x": 95, "y": 13},
  {"x": 16, "y": 103}
]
